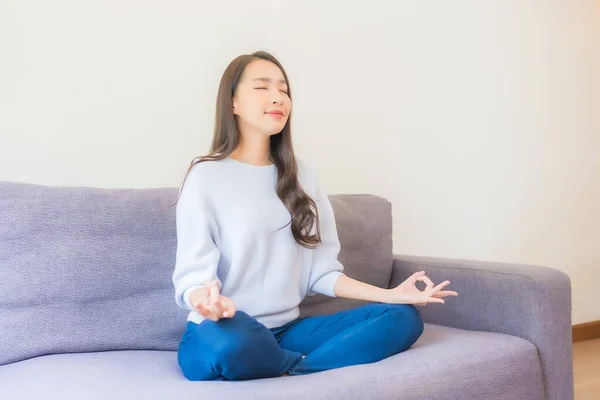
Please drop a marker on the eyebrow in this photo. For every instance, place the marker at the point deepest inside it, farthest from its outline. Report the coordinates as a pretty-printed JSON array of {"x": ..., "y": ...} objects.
[{"x": 264, "y": 79}]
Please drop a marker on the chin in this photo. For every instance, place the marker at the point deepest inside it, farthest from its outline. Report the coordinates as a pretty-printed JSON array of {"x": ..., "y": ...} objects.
[{"x": 273, "y": 131}]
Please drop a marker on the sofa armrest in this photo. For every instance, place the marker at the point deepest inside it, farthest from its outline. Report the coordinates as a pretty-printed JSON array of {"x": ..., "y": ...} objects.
[{"x": 528, "y": 301}]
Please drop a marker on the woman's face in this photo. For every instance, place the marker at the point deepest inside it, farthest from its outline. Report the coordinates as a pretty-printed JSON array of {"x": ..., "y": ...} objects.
[{"x": 261, "y": 103}]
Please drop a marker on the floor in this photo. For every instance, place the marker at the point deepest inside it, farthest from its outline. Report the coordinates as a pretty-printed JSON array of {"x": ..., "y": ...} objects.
[{"x": 586, "y": 369}]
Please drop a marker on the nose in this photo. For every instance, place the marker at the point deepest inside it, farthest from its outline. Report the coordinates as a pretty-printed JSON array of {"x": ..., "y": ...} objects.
[{"x": 277, "y": 97}]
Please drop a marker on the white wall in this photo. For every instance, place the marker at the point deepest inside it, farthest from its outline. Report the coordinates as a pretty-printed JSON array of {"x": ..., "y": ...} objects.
[{"x": 479, "y": 120}]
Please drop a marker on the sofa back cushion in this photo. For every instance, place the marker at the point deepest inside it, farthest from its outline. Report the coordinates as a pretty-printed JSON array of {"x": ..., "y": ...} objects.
[
  {"x": 89, "y": 269},
  {"x": 364, "y": 225}
]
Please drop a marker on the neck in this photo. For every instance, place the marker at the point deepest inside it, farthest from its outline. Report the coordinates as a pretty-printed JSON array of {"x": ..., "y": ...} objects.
[{"x": 254, "y": 149}]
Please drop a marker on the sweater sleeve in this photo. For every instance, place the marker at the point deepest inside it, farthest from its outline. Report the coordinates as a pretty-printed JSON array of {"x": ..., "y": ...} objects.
[
  {"x": 325, "y": 267},
  {"x": 197, "y": 255}
]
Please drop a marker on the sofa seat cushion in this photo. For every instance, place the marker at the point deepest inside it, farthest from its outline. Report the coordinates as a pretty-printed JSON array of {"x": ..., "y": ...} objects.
[{"x": 444, "y": 363}]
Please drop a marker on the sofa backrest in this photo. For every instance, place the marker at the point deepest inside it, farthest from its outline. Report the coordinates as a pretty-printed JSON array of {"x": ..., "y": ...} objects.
[
  {"x": 89, "y": 269},
  {"x": 364, "y": 225}
]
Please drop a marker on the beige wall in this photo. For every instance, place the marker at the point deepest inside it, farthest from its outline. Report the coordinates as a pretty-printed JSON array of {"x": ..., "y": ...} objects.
[{"x": 479, "y": 120}]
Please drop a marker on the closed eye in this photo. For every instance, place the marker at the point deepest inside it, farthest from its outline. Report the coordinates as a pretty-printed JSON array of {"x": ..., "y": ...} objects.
[{"x": 264, "y": 88}]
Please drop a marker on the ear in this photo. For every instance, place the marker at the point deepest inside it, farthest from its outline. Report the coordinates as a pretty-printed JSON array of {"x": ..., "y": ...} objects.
[{"x": 234, "y": 105}]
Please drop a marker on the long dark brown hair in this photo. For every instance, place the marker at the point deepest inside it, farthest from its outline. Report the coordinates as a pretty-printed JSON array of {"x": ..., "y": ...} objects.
[{"x": 227, "y": 137}]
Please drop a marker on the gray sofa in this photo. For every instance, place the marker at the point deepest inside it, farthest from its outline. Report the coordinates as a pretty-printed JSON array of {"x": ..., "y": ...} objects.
[{"x": 87, "y": 309}]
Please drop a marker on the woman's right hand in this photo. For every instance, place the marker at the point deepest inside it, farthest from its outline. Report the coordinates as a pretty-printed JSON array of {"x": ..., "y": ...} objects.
[{"x": 210, "y": 304}]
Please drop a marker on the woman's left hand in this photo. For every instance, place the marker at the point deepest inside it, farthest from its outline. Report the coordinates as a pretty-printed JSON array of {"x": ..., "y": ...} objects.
[{"x": 408, "y": 293}]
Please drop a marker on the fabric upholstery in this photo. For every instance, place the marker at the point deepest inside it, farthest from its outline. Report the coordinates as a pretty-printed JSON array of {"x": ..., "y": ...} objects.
[
  {"x": 89, "y": 269},
  {"x": 532, "y": 302},
  {"x": 444, "y": 363}
]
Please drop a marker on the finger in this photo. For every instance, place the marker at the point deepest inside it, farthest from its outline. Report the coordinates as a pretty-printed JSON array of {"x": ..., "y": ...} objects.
[
  {"x": 230, "y": 308},
  {"x": 413, "y": 277},
  {"x": 213, "y": 294},
  {"x": 217, "y": 287},
  {"x": 201, "y": 309},
  {"x": 206, "y": 313},
  {"x": 208, "y": 310},
  {"x": 435, "y": 300},
  {"x": 440, "y": 286},
  {"x": 215, "y": 309},
  {"x": 427, "y": 281},
  {"x": 211, "y": 288},
  {"x": 214, "y": 302},
  {"x": 445, "y": 293},
  {"x": 219, "y": 307}
]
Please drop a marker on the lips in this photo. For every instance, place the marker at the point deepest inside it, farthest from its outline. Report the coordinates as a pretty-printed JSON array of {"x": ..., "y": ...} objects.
[{"x": 275, "y": 112}]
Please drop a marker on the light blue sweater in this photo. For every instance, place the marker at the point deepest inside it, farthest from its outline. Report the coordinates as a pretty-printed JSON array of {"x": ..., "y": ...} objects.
[{"x": 228, "y": 216}]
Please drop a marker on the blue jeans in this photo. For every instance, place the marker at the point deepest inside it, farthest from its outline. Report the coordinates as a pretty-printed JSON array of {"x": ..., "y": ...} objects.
[{"x": 242, "y": 348}]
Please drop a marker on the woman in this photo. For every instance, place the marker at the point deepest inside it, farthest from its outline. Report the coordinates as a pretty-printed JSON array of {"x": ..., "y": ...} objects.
[{"x": 256, "y": 234}]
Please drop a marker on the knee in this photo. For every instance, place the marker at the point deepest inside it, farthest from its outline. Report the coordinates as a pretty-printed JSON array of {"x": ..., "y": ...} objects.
[
  {"x": 212, "y": 347},
  {"x": 193, "y": 364},
  {"x": 231, "y": 350},
  {"x": 231, "y": 336},
  {"x": 407, "y": 319},
  {"x": 193, "y": 368}
]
